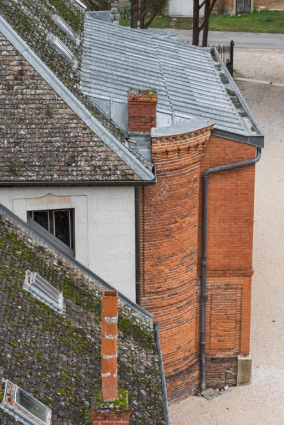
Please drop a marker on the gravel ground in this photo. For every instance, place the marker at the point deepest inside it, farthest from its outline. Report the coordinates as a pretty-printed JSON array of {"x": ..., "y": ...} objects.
[{"x": 260, "y": 403}]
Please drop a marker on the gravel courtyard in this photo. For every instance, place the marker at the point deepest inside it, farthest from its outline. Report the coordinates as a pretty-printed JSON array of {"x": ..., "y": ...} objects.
[{"x": 262, "y": 402}]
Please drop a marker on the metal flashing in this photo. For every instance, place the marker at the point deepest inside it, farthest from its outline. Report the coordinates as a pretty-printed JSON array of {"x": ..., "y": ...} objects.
[
  {"x": 181, "y": 128},
  {"x": 254, "y": 140},
  {"x": 66, "y": 28},
  {"x": 44, "y": 291},
  {"x": 62, "y": 49},
  {"x": 74, "y": 103},
  {"x": 81, "y": 4},
  {"x": 23, "y": 407},
  {"x": 258, "y": 130}
]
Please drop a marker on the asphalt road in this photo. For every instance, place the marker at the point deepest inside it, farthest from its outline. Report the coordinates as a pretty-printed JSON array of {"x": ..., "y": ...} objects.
[{"x": 244, "y": 40}]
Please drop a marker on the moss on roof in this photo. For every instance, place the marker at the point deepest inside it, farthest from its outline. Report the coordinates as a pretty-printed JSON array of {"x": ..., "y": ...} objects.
[
  {"x": 32, "y": 20},
  {"x": 56, "y": 358}
]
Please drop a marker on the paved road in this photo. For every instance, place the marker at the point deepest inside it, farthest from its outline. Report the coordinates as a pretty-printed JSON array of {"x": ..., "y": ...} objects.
[{"x": 244, "y": 40}]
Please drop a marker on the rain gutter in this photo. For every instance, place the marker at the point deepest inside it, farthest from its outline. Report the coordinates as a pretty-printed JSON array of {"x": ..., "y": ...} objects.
[
  {"x": 137, "y": 248},
  {"x": 204, "y": 295},
  {"x": 78, "y": 183}
]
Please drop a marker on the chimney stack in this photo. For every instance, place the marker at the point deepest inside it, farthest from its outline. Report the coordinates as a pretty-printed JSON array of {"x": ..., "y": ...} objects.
[
  {"x": 109, "y": 345},
  {"x": 142, "y": 105},
  {"x": 104, "y": 411}
]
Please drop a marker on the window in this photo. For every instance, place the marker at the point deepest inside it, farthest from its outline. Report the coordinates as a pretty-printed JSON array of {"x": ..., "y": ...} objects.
[
  {"x": 25, "y": 408},
  {"x": 62, "y": 49},
  {"x": 58, "y": 222},
  {"x": 81, "y": 4},
  {"x": 66, "y": 28},
  {"x": 44, "y": 291}
]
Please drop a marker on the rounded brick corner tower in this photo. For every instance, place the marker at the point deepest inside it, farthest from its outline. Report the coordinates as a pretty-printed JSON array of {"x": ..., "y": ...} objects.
[{"x": 168, "y": 235}]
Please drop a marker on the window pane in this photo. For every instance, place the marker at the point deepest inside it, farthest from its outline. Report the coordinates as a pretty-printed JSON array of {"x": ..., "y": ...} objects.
[
  {"x": 31, "y": 405},
  {"x": 62, "y": 226},
  {"x": 41, "y": 217}
]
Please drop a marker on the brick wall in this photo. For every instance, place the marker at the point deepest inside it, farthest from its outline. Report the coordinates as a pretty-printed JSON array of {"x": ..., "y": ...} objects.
[
  {"x": 109, "y": 418},
  {"x": 141, "y": 110},
  {"x": 169, "y": 218},
  {"x": 229, "y": 266},
  {"x": 170, "y": 264}
]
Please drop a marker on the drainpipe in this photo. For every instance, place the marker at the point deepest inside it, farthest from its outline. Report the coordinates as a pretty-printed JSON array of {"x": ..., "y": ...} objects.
[
  {"x": 137, "y": 248},
  {"x": 204, "y": 295}
]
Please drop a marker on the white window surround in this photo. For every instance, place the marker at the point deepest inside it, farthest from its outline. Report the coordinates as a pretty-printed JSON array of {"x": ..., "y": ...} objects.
[
  {"x": 62, "y": 49},
  {"x": 43, "y": 291},
  {"x": 66, "y": 28},
  {"x": 15, "y": 402}
]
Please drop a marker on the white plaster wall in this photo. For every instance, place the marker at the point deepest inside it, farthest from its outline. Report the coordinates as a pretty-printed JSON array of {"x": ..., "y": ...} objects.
[
  {"x": 104, "y": 226},
  {"x": 182, "y": 8}
]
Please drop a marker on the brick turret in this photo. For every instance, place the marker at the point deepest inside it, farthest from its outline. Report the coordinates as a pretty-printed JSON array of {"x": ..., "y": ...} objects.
[{"x": 169, "y": 232}]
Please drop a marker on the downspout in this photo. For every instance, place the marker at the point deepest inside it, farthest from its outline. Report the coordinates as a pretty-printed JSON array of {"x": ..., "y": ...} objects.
[
  {"x": 137, "y": 248},
  {"x": 204, "y": 249}
]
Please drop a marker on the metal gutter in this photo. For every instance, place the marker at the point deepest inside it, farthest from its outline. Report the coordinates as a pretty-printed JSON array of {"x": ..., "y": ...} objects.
[
  {"x": 79, "y": 183},
  {"x": 137, "y": 247},
  {"x": 162, "y": 372},
  {"x": 241, "y": 98},
  {"x": 72, "y": 260},
  {"x": 204, "y": 249},
  {"x": 74, "y": 103},
  {"x": 255, "y": 140}
]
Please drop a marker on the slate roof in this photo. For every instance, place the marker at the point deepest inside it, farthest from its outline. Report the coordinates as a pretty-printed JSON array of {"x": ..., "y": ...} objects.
[
  {"x": 57, "y": 358},
  {"x": 190, "y": 80},
  {"x": 101, "y": 158}
]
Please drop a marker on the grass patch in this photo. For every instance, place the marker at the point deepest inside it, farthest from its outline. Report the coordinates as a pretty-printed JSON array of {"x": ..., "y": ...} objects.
[
  {"x": 164, "y": 21},
  {"x": 265, "y": 21}
]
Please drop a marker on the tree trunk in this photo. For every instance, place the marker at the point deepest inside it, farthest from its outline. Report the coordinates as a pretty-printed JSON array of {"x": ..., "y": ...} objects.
[
  {"x": 134, "y": 13},
  {"x": 195, "y": 23},
  {"x": 206, "y": 24}
]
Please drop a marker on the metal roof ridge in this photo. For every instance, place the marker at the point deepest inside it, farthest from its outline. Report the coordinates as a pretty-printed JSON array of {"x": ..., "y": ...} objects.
[{"x": 121, "y": 151}]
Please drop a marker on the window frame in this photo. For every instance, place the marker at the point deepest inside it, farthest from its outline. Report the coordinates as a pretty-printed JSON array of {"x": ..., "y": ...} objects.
[{"x": 51, "y": 223}]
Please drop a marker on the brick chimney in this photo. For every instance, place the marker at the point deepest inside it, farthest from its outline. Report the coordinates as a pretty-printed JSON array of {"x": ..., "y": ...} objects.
[
  {"x": 109, "y": 345},
  {"x": 104, "y": 411},
  {"x": 142, "y": 106}
]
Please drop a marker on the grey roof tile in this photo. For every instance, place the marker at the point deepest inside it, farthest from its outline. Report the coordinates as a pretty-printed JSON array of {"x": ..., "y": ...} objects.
[
  {"x": 188, "y": 79},
  {"x": 109, "y": 159},
  {"x": 56, "y": 358}
]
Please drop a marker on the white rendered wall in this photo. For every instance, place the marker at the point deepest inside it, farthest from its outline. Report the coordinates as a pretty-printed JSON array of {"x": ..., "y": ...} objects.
[
  {"x": 182, "y": 8},
  {"x": 104, "y": 226}
]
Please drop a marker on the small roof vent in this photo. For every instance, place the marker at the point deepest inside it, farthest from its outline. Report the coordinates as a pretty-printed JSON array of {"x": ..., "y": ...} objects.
[
  {"x": 62, "y": 48},
  {"x": 44, "y": 291},
  {"x": 23, "y": 407},
  {"x": 66, "y": 28},
  {"x": 81, "y": 4}
]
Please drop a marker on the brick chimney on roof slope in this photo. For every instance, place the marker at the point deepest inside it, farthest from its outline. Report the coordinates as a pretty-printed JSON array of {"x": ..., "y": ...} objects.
[
  {"x": 104, "y": 411},
  {"x": 142, "y": 106}
]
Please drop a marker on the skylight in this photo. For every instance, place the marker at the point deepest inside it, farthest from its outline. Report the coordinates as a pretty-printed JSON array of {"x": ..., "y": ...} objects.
[
  {"x": 23, "y": 407},
  {"x": 66, "y": 28},
  {"x": 62, "y": 49},
  {"x": 81, "y": 4},
  {"x": 43, "y": 290}
]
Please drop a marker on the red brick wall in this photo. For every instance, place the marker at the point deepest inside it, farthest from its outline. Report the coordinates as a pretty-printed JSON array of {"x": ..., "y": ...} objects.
[
  {"x": 170, "y": 263},
  {"x": 110, "y": 418},
  {"x": 141, "y": 110},
  {"x": 230, "y": 243},
  {"x": 169, "y": 218}
]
